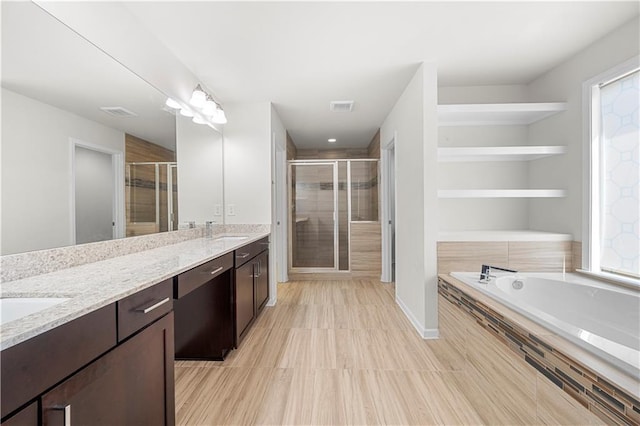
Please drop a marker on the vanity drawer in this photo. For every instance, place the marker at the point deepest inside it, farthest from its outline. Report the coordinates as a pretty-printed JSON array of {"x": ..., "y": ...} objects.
[
  {"x": 144, "y": 307},
  {"x": 248, "y": 252},
  {"x": 194, "y": 278},
  {"x": 31, "y": 367}
]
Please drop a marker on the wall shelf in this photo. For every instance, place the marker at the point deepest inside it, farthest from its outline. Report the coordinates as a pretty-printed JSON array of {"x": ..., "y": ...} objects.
[
  {"x": 497, "y": 114},
  {"x": 501, "y": 193},
  {"x": 503, "y": 235},
  {"x": 498, "y": 153}
]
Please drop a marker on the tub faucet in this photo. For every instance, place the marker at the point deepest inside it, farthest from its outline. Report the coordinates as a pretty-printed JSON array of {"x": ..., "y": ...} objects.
[{"x": 485, "y": 274}]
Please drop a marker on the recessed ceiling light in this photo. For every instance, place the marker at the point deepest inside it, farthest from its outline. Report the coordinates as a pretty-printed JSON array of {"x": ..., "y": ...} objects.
[{"x": 332, "y": 140}]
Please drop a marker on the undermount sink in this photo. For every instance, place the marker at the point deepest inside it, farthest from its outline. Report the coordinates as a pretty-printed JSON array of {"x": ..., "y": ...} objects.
[
  {"x": 232, "y": 238},
  {"x": 13, "y": 308}
]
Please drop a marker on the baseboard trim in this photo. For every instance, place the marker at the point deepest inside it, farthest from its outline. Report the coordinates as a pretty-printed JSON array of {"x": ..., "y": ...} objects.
[{"x": 425, "y": 333}]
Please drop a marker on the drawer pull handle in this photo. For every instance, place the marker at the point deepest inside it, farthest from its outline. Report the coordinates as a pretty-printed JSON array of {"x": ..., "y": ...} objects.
[
  {"x": 67, "y": 414},
  {"x": 215, "y": 271},
  {"x": 154, "y": 306},
  {"x": 243, "y": 255}
]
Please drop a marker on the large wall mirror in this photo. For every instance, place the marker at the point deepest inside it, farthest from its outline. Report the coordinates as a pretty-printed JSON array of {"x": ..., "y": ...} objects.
[{"x": 89, "y": 150}]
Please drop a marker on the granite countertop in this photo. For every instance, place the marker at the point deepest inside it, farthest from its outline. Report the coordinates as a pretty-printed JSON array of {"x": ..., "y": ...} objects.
[{"x": 98, "y": 284}]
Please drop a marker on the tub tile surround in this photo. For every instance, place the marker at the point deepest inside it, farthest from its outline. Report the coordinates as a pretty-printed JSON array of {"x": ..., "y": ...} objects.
[
  {"x": 23, "y": 265},
  {"x": 589, "y": 382},
  {"x": 532, "y": 256},
  {"x": 94, "y": 285}
]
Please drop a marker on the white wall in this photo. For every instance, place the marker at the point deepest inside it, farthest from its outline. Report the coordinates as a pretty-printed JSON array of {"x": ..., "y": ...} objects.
[
  {"x": 278, "y": 255},
  {"x": 564, "y": 83},
  {"x": 158, "y": 65},
  {"x": 247, "y": 162},
  {"x": 200, "y": 172},
  {"x": 413, "y": 119},
  {"x": 36, "y": 170}
]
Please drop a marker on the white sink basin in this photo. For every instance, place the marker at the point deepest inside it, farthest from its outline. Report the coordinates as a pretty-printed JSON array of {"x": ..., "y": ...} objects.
[
  {"x": 233, "y": 238},
  {"x": 12, "y": 309}
]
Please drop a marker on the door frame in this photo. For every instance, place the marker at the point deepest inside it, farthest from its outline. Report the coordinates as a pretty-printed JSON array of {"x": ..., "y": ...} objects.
[
  {"x": 117, "y": 164},
  {"x": 388, "y": 216}
]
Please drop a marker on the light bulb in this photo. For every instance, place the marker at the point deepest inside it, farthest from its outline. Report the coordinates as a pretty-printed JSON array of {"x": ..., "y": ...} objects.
[
  {"x": 172, "y": 104},
  {"x": 209, "y": 108},
  {"x": 186, "y": 112},
  {"x": 198, "y": 120},
  {"x": 219, "y": 117},
  {"x": 198, "y": 97}
]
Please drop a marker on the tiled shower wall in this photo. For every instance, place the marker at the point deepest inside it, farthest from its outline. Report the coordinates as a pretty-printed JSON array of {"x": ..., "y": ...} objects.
[{"x": 531, "y": 256}]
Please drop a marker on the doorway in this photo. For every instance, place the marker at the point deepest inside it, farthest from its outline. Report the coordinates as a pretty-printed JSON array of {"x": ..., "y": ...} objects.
[
  {"x": 388, "y": 212},
  {"x": 96, "y": 194}
]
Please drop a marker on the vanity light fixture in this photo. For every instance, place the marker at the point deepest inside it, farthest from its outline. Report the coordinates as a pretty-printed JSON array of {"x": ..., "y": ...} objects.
[
  {"x": 332, "y": 140},
  {"x": 198, "y": 97},
  {"x": 210, "y": 107},
  {"x": 172, "y": 104},
  {"x": 219, "y": 116},
  {"x": 186, "y": 112},
  {"x": 204, "y": 109},
  {"x": 198, "y": 120}
]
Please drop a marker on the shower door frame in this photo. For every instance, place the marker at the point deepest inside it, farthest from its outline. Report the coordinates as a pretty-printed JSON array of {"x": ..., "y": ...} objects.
[
  {"x": 169, "y": 166},
  {"x": 336, "y": 240}
]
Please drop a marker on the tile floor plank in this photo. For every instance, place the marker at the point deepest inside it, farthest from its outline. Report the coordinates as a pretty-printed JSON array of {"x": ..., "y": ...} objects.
[{"x": 343, "y": 353}]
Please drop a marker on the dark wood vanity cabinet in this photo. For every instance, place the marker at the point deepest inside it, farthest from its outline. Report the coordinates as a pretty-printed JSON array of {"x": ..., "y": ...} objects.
[
  {"x": 126, "y": 386},
  {"x": 113, "y": 366},
  {"x": 204, "y": 310},
  {"x": 251, "y": 290}
]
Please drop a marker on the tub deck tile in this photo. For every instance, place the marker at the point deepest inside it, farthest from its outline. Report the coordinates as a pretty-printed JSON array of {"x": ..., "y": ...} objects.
[{"x": 611, "y": 402}]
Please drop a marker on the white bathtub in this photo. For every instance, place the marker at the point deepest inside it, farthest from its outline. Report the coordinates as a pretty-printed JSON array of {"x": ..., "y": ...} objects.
[{"x": 601, "y": 318}]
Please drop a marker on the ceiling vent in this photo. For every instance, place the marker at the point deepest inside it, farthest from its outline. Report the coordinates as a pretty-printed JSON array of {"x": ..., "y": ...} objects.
[
  {"x": 118, "y": 111},
  {"x": 341, "y": 106}
]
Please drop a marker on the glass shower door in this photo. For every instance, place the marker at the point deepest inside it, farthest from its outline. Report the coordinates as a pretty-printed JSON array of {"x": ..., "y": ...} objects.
[
  {"x": 312, "y": 215},
  {"x": 151, "y": 198}
]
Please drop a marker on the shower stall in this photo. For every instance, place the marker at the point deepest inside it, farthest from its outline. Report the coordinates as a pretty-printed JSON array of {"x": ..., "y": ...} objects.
[
  {"x": 151, "y": 196},
  {"x": 325, "y": 198}
]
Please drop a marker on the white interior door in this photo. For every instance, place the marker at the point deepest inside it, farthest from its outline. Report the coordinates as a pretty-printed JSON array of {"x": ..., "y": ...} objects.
[{"x": 95, "y": 195}]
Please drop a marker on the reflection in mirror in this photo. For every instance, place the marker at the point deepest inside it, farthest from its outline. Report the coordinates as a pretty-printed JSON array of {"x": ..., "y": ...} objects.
[
  {"x": 200, "y": 173},
  {"x": 62, "y": 95}
]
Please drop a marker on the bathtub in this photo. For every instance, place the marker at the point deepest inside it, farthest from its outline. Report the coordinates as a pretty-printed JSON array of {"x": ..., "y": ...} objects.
[{"x": 601, "y": 318}]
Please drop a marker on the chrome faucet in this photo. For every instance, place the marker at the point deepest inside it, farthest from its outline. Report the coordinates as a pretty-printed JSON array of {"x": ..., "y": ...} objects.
[{"x": 485, "y": 274}]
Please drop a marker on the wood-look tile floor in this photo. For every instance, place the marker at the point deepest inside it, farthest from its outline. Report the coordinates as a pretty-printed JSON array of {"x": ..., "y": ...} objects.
[{"x": 340, "y": 352}]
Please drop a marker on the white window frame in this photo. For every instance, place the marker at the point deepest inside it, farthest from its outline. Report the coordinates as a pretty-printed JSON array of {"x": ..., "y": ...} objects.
[{"x": 591, "y": 172}]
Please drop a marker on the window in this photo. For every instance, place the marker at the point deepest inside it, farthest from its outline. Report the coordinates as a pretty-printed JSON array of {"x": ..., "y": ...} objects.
[{"x": 613, "y": 235}]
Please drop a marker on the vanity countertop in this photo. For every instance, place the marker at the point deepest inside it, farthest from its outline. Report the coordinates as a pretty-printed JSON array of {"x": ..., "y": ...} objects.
[{"x": 94, "y": 285}]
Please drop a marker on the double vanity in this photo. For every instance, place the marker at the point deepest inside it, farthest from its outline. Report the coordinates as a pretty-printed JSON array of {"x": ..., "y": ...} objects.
[{"x": 100, "y": 346}]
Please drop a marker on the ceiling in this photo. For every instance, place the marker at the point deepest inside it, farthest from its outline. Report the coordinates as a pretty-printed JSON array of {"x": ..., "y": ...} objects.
[
  {"x": 56, "y": 66},
  {"x": 302, "y": 55}
]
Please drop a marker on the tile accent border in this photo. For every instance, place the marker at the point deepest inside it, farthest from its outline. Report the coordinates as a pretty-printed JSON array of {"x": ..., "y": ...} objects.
[{"x": 597, "y": 394}]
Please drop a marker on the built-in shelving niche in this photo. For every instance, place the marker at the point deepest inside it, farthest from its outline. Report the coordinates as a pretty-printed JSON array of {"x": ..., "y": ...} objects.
[{"x": 469, "y": 199}]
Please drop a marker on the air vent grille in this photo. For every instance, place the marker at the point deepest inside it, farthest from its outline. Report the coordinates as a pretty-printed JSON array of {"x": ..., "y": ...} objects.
[
  {"x": 118, "y": 111},
  {"x": 341, "y": 106}
]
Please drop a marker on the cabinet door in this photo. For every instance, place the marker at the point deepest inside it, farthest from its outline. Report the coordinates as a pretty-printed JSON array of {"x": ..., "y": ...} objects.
[
  {"x": 244, "y": 297},
  {"x": 204, "y": 321},
  {"x": 262, "y": 281},
  {"x": 131, "y": 385},
  {"x": 28, "y": 416}
]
